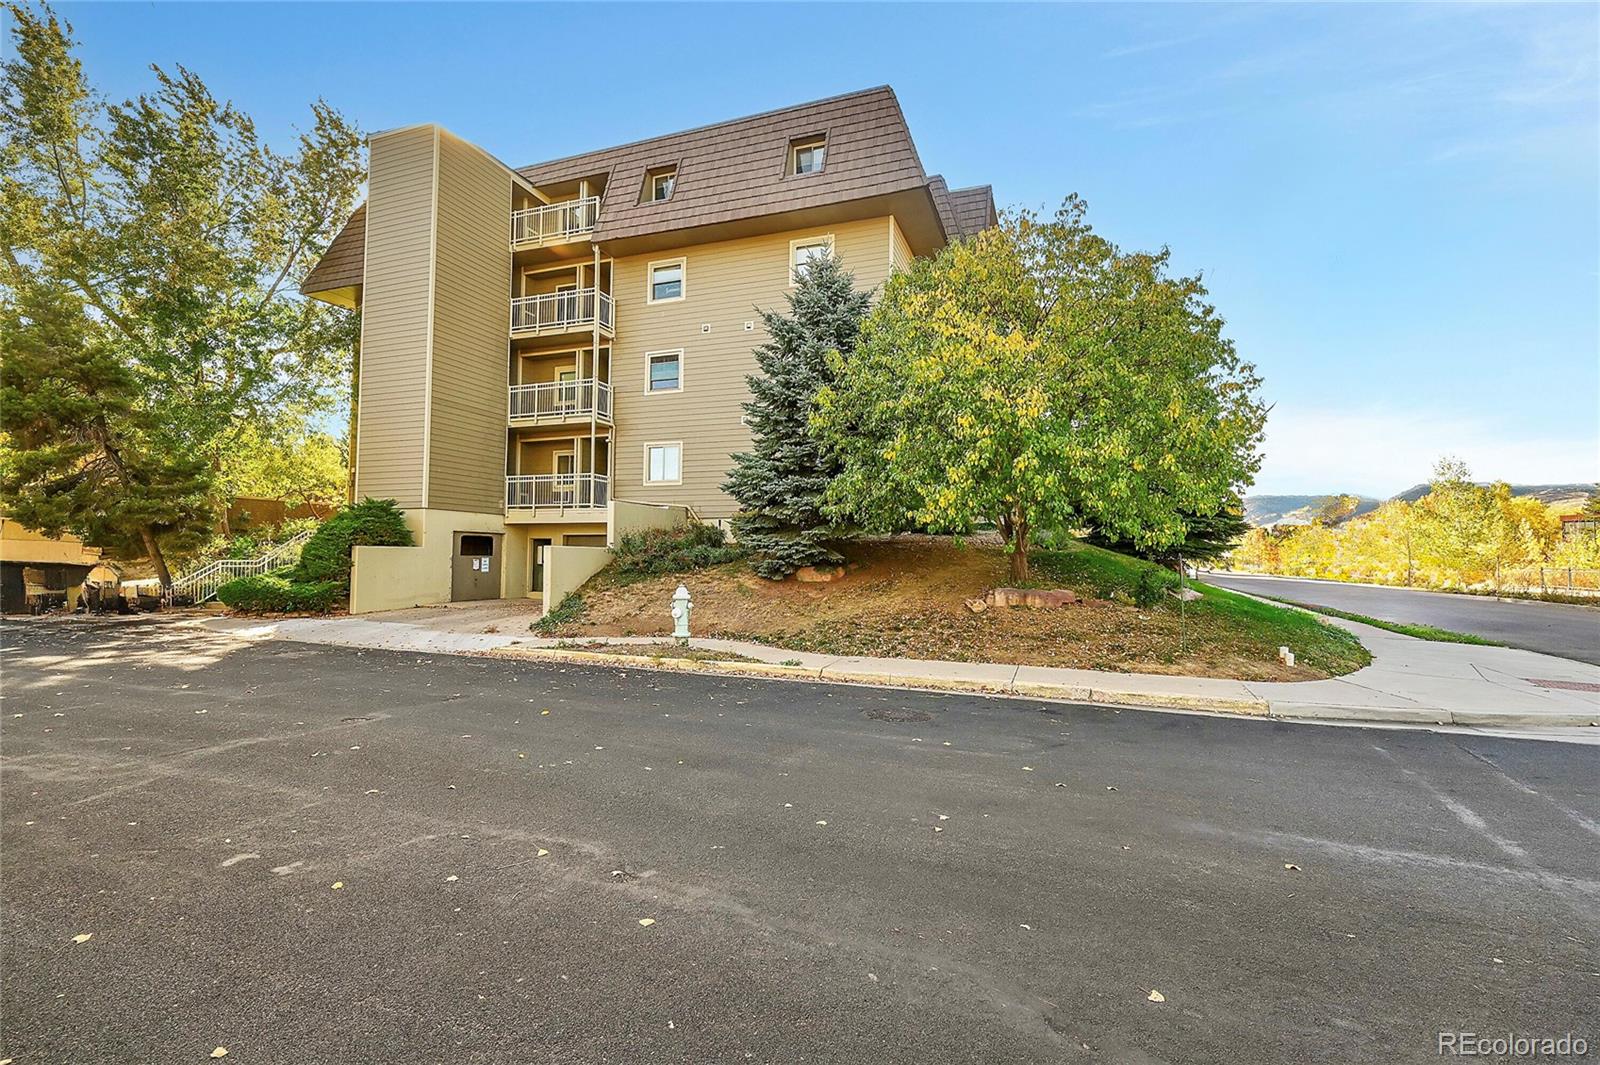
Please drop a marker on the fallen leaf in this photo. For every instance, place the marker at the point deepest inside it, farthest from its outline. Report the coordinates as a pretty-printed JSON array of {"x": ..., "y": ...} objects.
[
  {"x": 1156, "y": 996},
  {"x": 338, "y": 885},
  {"x": 646, "y": 922},
  {"x": 220, "y": 1052},
  {"x": 84, "y": 938}
]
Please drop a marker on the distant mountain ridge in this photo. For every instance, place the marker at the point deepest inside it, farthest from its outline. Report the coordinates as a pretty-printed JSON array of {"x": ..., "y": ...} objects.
[{"x": 1266, "y": 511}]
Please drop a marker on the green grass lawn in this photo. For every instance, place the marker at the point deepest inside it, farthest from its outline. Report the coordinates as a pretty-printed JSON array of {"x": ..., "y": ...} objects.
[
  {"x": 1421, "y": 632},
  {"x": 1221, "y": 615}
]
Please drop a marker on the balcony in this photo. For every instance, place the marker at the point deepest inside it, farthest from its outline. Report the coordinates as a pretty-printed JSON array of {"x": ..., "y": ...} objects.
[
  {"x": 558, "y": 496},
  {"x": 557, "y": 223},
  {"x": 569, "y": 311},
  {"x": 554, "y": 402}
]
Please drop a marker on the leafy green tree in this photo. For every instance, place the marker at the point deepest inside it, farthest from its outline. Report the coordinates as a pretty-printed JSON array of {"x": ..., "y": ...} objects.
[
  {"x": 782, "y": 482},
  {"x": 81, "y": 453},
  {"x": 1036, "y": 375},
  {"x": 178, "y": 236},
  {"x": 294, "y": 464}
]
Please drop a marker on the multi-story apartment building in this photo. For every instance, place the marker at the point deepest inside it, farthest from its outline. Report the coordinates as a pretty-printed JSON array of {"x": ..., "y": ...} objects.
[{"x": 555, "y": 354}]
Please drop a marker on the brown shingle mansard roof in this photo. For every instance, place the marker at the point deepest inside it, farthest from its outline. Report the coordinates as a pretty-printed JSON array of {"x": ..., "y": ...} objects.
[
  {"x": 341, "y": 265},
  {"x": 739, "y": 169},
  {"x": 974, "y": 209}
]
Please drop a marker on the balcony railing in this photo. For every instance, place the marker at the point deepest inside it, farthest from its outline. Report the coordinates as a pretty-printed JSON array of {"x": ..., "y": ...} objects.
[
  {"x": 560, "y": 400},
  {"x": 554, "y": 224},
  {"x": 556, "y": 312},
  {"x": 558, "y": 491}
]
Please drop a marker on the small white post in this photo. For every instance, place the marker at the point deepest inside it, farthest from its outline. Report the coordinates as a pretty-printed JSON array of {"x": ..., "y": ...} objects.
[{"x": 681, "y": 605}]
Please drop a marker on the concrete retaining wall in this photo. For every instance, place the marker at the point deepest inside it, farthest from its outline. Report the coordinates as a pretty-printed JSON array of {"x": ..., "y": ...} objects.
[
  {"x": 567, "y": 568},
  {"x": 628, "y": 517}
]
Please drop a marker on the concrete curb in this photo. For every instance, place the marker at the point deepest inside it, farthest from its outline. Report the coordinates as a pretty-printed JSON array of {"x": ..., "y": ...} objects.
[
  {"x": 834, "y": 674},
  {"x": 1278, "y": 710}
]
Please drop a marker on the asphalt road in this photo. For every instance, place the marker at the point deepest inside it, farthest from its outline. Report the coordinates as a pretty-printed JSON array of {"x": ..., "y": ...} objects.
[
  {"x": 1553, "y": 628},
  {"x": 834, "y": 874}
]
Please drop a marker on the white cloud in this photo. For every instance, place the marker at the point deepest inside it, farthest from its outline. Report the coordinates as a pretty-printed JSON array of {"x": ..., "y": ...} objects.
[{"x": 1377, "y": 451}]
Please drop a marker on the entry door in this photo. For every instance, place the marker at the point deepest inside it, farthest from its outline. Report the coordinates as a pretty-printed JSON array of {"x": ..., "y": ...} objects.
[
  {"x": 475, "y": 567},
  {"x": 566, "y": 304},
  {"x": 536, "y": 565},
  {"x": 568, "y": 390},
  {"x": 566, "y": 478}
]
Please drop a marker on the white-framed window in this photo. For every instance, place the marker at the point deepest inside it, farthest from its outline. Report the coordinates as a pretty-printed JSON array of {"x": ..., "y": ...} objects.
[
  {"x": 665, "y": 280},
  {"x": 659, "y": 183},
  {"x": 663, "y": 371},
  {"x": 663, "y": 463},
  {"x": 804, "y": 250},
  {"x": 808, "y": 155}
]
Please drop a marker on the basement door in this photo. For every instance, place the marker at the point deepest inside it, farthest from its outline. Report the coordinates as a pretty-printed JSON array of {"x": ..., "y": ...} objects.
[{"x": 475, "y": 567}]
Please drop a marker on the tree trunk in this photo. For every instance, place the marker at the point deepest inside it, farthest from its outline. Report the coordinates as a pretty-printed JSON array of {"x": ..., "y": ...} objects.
[
  {"x": 153, "y": 549},
  {"x": 1019, "y": 549},
  {"x": 223, "y": 505},
  {"x": 350, "y": 434}
]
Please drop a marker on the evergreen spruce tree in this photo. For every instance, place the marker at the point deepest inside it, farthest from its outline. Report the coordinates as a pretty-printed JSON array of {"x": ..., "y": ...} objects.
[{"x": 781, "y": 483}]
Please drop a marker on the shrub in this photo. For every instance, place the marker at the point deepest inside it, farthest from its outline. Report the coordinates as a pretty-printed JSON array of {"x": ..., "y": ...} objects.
[
  {"x": 570, "y": 609},
  {"x": 1152, "y": 585},
  {"x": 678, "y": 550},
  {"x": 277, "y": 593},
  {"x": 326, "y": 556}
]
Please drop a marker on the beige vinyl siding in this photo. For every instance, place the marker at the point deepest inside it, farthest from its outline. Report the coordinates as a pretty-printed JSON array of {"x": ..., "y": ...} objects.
[
  {"x": 899, "y": 248},
  {"x": 472, "y": 291},
  {"x": 725, "y": 283},
  {"x": 395, "y": 316}
]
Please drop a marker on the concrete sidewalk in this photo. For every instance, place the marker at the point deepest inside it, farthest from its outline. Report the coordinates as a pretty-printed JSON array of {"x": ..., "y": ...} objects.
[{"x": 1410, "y": 681}]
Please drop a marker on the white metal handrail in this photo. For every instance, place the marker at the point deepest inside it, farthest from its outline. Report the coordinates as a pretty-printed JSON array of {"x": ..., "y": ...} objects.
[
  {"x": 555, "y": 400},
  {"x": 560, "y": 310},
  {"x": 554, "y": 222},
  {"x": 201, "y": 585},
  {"x": 563, "y": 491}
]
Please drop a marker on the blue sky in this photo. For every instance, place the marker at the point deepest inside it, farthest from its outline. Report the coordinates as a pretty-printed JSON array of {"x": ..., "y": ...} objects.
[{"x": 1395, "y": 207}]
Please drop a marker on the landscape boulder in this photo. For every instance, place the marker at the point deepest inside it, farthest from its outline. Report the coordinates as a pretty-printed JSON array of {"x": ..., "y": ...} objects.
[
  {"x": 818, "y": 574},
  {"x": 1033, "y": 598}
]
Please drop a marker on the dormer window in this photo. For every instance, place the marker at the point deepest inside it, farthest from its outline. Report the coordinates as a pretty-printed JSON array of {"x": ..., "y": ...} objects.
[
  {"x": 659, "y": 183},
  {"x": 807, "y": 155}
]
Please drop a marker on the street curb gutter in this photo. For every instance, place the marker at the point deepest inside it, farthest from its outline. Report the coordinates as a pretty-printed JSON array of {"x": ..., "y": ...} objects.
[
  {"x": 1033, "y": 689},
  {"x": 1256, "y": 707}
]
